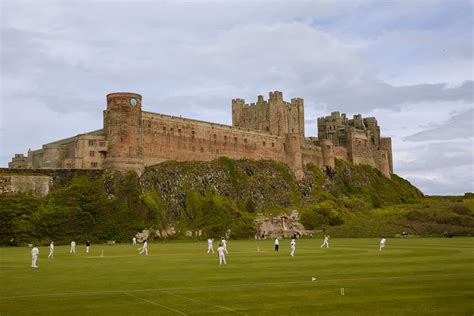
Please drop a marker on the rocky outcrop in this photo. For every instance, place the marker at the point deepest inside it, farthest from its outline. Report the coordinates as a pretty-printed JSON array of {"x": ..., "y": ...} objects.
[
  {"x": 39, "y": 182},
  {"x": 282, "y": 225},
  {"x": 38, "y": 185}
]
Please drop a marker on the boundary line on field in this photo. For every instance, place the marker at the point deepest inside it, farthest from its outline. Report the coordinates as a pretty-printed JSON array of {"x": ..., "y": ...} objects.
[
  {"x": 204, "y": 303},
  {"x": 231, "y": 285},
  {"x": 154, "y": 303}
]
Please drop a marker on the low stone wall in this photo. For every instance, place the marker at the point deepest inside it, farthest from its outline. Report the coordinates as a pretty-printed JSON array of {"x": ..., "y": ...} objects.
[
  {"x": 34, "y": 184},
  {"x": 38, "y": 182}
]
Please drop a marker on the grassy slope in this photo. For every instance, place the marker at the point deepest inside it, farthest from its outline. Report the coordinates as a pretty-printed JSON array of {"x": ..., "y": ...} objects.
[
  {"x": 411, "y": 276},
  {"x": 430, "y": 217},
  {"x": 225, "y": 195}
]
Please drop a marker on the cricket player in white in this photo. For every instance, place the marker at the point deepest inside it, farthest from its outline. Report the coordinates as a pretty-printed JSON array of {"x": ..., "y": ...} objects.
[
  {"x": 134, "y": 241},
  {"x": 277, "y": 244},
  {"x": 221, "y": 251},
  {"x": 51, "y": 250},
  {"x": 224, "y": 245},
  {"x": 144, "y": 248},
  {"x": 34, "y": 256},
  {"x": 209, "y": 245},
  {"x": 73, "y": 247},
  {"x": 382, "y": 244},
  {"x": 325, "y": 242},
  {"x": 292, "y": 247},
  {"x": 88, "y": 246}
]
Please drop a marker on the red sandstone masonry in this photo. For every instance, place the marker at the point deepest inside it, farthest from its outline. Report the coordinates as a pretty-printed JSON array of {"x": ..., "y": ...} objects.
[{"x": 268, "y": 129}]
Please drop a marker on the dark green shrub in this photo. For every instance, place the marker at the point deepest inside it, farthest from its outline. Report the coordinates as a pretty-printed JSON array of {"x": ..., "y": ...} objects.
[
  {"x": 336, "y": 220},
  {"x": 414, "y": 215},
  {"x": 460, "y": 209}
]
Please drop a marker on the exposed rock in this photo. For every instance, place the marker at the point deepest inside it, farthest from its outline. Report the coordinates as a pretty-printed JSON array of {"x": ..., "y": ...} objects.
[
  {"x": 143, "y": 235},
  {"x": 282, "y": 225}
]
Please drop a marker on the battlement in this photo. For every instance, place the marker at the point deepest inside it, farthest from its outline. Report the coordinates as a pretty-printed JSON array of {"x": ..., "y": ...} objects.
[
  {"x": 266, "y": 129},
  {"x": 273, "y": 115}
]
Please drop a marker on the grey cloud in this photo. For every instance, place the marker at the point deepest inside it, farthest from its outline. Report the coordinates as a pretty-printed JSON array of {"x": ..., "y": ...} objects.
[
  {"x": 439, "y": 167},
  {"x": 438, "y": 155},
  {"x": 454, "y": 182},
  {"x": 458, "y": 126}
]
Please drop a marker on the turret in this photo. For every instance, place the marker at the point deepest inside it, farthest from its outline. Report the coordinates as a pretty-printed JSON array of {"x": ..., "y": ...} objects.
[
  {"x": 298, "y": 104},
  {"x": 294, "y": 154},
  {"x": 238, "y": 112},
  {"x": 386, "y": 145},
  {"x": 327, "y": 148},
  {"x": 124, "y": 131},
  {"x": 382, "y": 162}
]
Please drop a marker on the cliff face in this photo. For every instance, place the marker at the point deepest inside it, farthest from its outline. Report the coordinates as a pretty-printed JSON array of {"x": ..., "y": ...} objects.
[
  {"x": 271, "y": 186},
  {"x": 194, "y": 199}
]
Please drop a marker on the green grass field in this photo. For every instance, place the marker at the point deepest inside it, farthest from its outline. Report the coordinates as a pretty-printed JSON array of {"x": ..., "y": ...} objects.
[{"x": 411, "y": 276}]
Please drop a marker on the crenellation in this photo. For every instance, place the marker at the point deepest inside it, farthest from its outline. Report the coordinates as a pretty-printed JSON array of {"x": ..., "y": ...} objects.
[{"x": 266, "y": 129}]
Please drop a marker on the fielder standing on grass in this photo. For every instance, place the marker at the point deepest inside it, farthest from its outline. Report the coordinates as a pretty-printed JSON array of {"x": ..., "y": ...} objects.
[
  {"x": 224, "y": 245},
  {"x": 382, "y": 244},
  {"x": 277, "y": 244},
  {"x": 209, "y": 245},
  {"x": 221, "y": 251},
  {"x": 134, "y": 241},
  {"x": 73, "y": 247},
  {"x": 325, "y": 242},
  {"x": 144, "y": 248},
  {"x": 88, "y": 246},
  {"x": 34, "y": 256},
  {"x": 51, "y": 250},
  {"x": 292, "y": 247}
]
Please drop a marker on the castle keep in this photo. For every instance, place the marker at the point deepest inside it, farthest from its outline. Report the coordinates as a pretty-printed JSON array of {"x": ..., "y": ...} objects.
[{"x": 132, "y": 139}]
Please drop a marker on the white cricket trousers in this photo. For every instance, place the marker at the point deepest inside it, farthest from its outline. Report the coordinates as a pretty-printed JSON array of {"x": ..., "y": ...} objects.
[
  {"x": 222, "y": 259},
  {"x": 210, "y": 249},
  {"x": 33, "y": 261},
  {"x": 144, "y": 250},
  {"x": 325, "y": 244},
  {"x": 292, "y": 251}
]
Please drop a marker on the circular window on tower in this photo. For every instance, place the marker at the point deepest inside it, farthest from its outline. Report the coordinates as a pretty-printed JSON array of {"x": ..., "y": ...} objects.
[{"x": 133, "y": 102}]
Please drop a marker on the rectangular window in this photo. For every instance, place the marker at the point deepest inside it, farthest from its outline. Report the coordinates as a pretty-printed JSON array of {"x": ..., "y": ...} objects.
[
  {"x": 264, "y": 143},
  {"x": 91, "y": 153},
  {"x": 92, "y": 142},
  {"x": 93, "y": 164}
]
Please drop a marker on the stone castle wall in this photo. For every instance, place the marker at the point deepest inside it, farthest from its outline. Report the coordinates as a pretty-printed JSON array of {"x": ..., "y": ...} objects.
[
  {"x": 173, "y": 138},
  {"x": 268, "y": 129}
]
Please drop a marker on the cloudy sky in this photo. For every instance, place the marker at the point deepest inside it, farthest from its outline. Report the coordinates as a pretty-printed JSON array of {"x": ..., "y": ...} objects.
[{"x": 409, "y": 63}]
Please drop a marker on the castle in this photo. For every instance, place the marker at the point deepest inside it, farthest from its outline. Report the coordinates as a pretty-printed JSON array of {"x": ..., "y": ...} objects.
[{"x": 132, "y": 139}]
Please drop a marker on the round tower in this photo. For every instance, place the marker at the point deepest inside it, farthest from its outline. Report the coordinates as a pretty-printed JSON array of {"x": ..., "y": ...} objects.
[
  {"x": 327, "y": 148},
  {"x": 124, "y": 132},
  {"x": 294, "y": 155}
]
